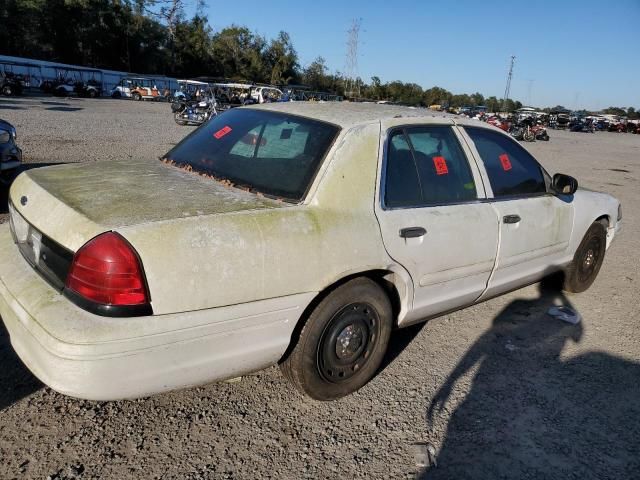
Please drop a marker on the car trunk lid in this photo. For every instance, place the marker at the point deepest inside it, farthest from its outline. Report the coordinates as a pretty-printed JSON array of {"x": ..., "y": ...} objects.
[{"x": 75, "y": 202}]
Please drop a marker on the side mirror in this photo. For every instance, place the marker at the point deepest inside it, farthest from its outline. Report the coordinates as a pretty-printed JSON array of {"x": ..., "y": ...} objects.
[{"x": 564, "y": 184}]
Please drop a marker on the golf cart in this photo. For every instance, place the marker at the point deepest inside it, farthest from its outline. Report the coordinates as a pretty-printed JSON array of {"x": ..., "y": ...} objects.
[
  {"x": 71, "y": 81},
  {"x": 136, "y": 88}
]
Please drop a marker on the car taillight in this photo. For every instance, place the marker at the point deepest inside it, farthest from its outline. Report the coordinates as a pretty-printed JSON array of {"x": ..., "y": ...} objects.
[{"x": 106, "y": 270}]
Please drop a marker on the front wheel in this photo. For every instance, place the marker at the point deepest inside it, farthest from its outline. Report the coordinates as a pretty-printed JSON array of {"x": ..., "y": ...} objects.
[
  {"x": 587, "y": 260},
  {"x": 342, "y": 343},
  {"x": 178, "y": 118},
  {"x": 137, "y": 97},
  {"x": 7, "y": 90}
]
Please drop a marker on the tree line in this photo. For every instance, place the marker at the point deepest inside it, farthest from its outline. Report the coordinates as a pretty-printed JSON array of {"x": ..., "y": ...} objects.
[{"x": 157, "y": 37}]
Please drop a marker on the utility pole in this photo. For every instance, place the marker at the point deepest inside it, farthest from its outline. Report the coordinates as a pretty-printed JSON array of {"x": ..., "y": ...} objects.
[
  {"x": 352, "y": 86},
  {"x": 508, "y": 88}
]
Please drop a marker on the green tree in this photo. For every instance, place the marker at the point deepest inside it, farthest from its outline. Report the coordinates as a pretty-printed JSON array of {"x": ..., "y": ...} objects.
[
  {"x": 615, "y": 111},
  {"x": 315, "y": 75},
  {"x": 281, "y": 60}
]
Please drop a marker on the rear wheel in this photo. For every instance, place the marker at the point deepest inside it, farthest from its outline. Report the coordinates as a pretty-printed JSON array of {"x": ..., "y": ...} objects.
[
  {"x": 136, "y": 96},
  {"x": 342, "y": 343},
  {"x": 7, "y": 90},
  {"x": 587, "y": 260}
]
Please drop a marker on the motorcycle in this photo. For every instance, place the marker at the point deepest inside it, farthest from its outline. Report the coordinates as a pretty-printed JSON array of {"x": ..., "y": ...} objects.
[
  {"x": 193, "y": 113},
  {"x": 540, "y": 132},
  {"x": 523, "y": 131},
  {"x": 497, "y": 122}
]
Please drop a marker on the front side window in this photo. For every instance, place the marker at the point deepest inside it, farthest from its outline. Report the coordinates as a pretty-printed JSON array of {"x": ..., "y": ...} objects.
[
  {"x": 426, "y": 166},
  {"x": 268, "y": 152},
  {"x": 512, "y": 170}
]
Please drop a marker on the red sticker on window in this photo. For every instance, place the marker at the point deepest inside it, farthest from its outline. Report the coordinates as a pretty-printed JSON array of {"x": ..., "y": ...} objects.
[
  {"x": 222, "y": 132},
  {"x": 506, "y": 163},
  {"x": 441, "y": 165}
]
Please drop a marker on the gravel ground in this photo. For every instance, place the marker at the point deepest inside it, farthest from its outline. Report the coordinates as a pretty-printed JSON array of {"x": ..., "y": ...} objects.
[{"x": 498, "y": 390}]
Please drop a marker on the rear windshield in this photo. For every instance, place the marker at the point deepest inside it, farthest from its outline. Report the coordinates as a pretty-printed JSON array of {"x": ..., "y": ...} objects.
[{"x": 272, "y": 153}]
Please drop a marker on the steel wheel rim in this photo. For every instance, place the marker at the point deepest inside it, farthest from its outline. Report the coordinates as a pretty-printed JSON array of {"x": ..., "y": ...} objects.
[
  {"x": 347, "y": 342},
  {"x": 590, "y": 259}
]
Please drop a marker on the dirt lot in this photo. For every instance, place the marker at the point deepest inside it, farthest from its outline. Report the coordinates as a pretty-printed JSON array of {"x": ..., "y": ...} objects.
[{"x": 499, "y": 390}]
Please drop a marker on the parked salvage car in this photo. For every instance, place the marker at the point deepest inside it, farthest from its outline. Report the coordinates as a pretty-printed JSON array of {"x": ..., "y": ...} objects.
[
  {"x": 10, "y": 153},
  {"x": 292, "y": 233}
]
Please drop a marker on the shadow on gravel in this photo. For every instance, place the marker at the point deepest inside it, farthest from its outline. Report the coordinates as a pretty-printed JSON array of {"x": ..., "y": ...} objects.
[
  {"x": 400, "y": 339},
  {"x": 11, "y": 107},
  {"x": 531, "y": 413},
  {"x": 8, "y": 178},
  {"x": 64, "y": 109},
  {"x": 16, "y": 381},
  {"x": 61, "y": 104}
]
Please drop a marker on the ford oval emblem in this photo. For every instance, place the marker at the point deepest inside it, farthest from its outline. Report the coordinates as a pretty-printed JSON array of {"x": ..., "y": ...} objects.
[{"x": 23, "y": 200}]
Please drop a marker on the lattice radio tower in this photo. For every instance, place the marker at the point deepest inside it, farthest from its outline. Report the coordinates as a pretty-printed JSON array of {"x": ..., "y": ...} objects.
[
  {"x": 352, "y": 87},
  {"x": 507, "y": 90}
]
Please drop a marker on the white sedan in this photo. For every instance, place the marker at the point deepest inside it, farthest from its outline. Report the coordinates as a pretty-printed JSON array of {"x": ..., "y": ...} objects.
[{"x": 291, "y": 233}]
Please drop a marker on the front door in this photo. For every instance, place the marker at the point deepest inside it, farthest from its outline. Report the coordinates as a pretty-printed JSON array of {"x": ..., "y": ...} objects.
[{"x": 433, "y": 220}]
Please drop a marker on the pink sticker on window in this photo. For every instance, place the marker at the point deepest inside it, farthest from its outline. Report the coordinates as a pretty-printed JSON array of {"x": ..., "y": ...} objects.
[
  {"x": 506, "y": 163},
  {"x": 441, "y": 165},
  {"x": 222, "y": 132}
]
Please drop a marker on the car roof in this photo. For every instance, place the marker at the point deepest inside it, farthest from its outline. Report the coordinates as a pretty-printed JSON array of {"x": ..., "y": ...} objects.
[{"x": 349, "y": 114}]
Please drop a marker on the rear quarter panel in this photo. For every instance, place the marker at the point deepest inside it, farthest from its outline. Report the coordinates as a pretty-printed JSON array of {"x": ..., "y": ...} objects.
[{"x": 210, "y": 261}]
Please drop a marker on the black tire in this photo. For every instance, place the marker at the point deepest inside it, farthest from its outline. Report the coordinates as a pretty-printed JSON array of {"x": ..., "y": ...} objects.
[
  {"x": 7, "y": 90},
  {"x": 342, "y": 342},
  {"x": 92, "y": 93},
  {"x": 136, "y": 96},
  {"x": 116, "y": 94},
  {"x": 587, "y": 260}
]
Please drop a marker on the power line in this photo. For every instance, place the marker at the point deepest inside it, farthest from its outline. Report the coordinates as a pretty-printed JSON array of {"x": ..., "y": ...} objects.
[{"x": 529, "y": 88}]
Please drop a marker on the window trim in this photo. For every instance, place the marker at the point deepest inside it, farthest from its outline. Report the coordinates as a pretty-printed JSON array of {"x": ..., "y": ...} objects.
[
  {"x": 383, "y": 172},
  {"x": 475, "y": 152}
]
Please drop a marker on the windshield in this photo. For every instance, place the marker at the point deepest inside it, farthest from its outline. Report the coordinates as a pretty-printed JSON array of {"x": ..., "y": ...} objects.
[{"x": 272, "y": 153}]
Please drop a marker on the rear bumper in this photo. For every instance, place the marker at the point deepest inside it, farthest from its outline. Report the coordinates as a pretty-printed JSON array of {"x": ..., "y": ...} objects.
[{"x": 97, "y": 358}]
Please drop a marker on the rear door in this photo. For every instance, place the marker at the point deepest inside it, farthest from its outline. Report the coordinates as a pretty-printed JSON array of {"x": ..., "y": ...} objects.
[
  {"x": 535, "y": 225},
  {"x": 433, "y": 218}
]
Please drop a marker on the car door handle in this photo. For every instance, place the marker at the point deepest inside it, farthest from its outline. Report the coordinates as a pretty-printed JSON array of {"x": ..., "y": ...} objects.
[
  {"x": 511, "y": 218},
  {"x": 412, "y": 232}
]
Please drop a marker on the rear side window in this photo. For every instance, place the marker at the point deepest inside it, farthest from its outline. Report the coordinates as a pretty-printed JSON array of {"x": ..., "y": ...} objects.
[
  {"x": 268, "y": 152},
  {"x": 426, "y": 166},
  {"x": 512, "y": 170}
]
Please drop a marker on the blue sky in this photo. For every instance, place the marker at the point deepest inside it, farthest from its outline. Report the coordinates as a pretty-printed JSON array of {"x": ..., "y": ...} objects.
[{"x": 575, "y": 53}]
